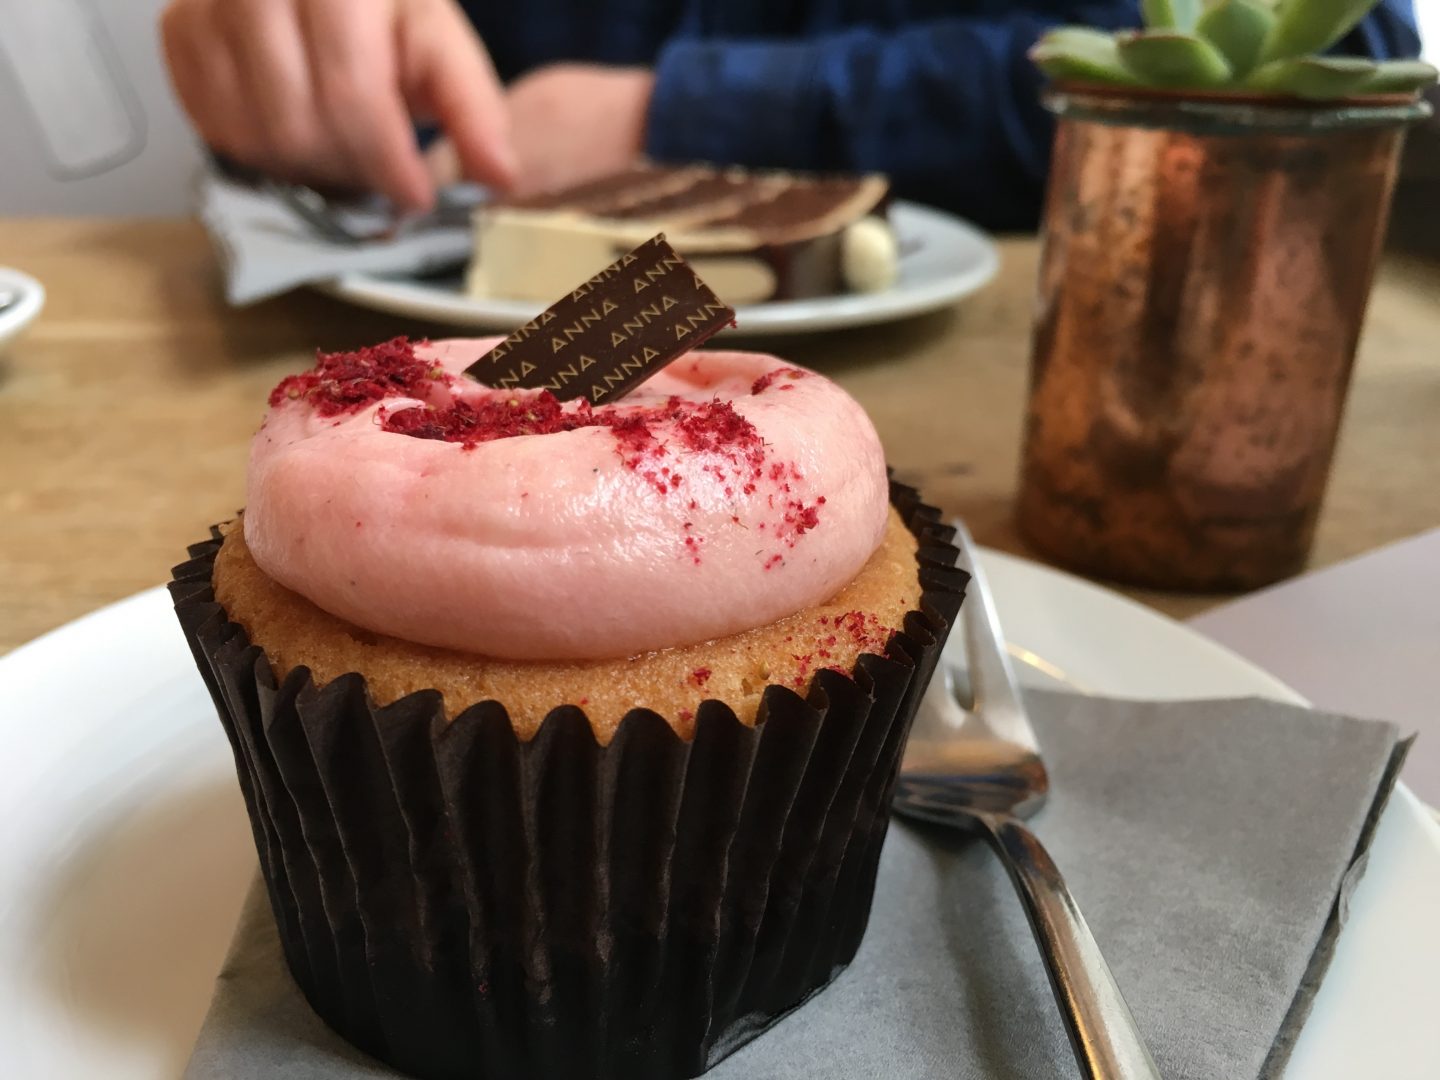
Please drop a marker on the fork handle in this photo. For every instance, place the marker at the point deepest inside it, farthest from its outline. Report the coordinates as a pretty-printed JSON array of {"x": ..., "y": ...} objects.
[{"x": 1102, "y": 1031}]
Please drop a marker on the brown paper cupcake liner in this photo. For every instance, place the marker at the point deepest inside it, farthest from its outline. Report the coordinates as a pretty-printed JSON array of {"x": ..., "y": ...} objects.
[{"x": 459, "y": 903}]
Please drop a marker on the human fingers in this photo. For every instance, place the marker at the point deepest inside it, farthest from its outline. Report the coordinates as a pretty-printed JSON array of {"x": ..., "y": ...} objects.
[
  {"x": 357, "y": 87},
  {"x": 448, "y": 75}
]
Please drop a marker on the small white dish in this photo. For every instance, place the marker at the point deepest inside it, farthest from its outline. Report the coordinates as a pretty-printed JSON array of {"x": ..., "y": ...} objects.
[
  {"x": 942, "y": 259},
  {"x": 21, "y": 298}
]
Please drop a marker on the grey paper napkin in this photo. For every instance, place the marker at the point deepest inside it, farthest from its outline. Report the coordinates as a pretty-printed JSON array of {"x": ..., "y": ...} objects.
[
  {"x": 1210, "y": 845},
  {"x": 265, "y": 249}
]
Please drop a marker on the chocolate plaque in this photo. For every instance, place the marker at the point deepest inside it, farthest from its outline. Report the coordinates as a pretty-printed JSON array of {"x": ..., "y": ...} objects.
[{"x": 611, "y": 333}]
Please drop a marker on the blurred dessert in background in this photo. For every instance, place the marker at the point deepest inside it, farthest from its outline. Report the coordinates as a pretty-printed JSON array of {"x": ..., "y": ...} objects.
[{"x": 752, "y": 235}]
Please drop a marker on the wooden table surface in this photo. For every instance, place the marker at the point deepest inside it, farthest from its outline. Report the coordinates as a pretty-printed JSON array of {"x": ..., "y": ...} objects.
[{"x": 126, "y": 410}]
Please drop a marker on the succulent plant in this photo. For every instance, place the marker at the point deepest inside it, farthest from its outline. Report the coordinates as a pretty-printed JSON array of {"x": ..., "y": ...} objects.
[{"x": 1247, "y": 46}]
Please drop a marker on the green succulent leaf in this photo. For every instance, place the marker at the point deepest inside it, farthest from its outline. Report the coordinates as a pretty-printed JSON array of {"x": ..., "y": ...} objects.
[
  {"x": 1303, "y": 27},
  {"x": 1266, "y": 46},
  {"x": 1170, "y": 14},
  {"x": 1172, "y": 59},
  {"x": 1238, "y": 28},
  {"x": 1077, "y": 52},
  {"x": 1317, "y": 77},
  {"x": 1399, "y": 77}
]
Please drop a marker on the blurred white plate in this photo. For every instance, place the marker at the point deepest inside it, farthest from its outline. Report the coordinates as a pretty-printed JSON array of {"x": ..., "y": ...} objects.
[
  {"x": 21, "y": 298},
  {"x": 941, "y": 260},
  {"x": 126, "y": 852}
]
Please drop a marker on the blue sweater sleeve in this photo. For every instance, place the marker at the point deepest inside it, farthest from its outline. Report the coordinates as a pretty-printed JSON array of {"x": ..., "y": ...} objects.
[{"x": 949, "y": 108}]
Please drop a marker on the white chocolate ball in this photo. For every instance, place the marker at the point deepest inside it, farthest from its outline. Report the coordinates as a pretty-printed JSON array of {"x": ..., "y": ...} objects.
[{"x": 869, "y": 255}]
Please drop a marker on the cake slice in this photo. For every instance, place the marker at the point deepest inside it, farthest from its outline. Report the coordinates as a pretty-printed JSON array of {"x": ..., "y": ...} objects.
[{"x": 752, "y": 235}]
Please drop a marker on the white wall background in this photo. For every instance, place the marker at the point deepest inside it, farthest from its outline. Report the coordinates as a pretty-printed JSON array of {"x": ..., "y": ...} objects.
[
  {"x": 1428, "y": 12},
  {"x": 92, "y": 71}
]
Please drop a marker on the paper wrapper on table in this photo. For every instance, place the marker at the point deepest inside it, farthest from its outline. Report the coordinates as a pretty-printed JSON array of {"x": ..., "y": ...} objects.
[{"x": 457, "y": 902}]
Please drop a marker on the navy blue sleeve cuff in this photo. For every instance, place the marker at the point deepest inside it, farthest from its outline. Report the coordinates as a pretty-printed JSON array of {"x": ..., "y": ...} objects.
[
  {"x": 737, "y": 102},
  {"x": 1389, "y": 32}
]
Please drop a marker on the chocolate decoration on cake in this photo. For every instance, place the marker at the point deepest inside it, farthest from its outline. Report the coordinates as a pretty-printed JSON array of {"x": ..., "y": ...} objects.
[
  {"x": 611, "y": 333},
  {"x": 755, "y": 235}
]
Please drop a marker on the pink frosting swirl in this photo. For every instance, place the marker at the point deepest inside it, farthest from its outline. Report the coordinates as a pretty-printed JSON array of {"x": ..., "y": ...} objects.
[{"x": 728, "y": 491}]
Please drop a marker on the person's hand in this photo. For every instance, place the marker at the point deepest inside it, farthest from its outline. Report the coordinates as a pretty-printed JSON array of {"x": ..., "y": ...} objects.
[
  {"x": 574, "y": 122},
  {"x": 325, "y": 91}
]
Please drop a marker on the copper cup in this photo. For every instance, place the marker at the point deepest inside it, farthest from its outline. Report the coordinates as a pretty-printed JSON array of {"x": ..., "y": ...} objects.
[{"x": 1205, "y": 272}]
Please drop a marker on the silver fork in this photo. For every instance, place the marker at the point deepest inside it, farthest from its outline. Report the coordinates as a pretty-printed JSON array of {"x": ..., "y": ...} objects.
[
  {"x": 980, "y": 770},
  {"x": 329, "y": 221}
]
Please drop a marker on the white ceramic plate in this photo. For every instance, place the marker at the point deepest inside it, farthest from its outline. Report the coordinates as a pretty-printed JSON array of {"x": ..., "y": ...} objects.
[
  {"x": 941, "y": 260},
  {"x": 26, "y": 298},
  {"x": 124, "y": 849}
]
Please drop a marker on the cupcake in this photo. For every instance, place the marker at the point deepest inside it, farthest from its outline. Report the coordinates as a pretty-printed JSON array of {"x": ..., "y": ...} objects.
[{"x": 567, "y": 733}]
